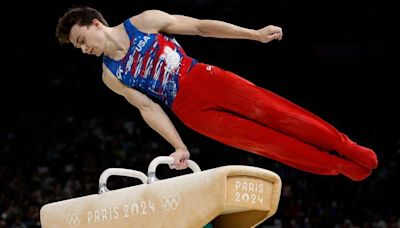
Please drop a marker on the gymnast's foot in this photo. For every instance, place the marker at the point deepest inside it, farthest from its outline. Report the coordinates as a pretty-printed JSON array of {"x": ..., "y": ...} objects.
[
  {"x": 352, "y": 170},
  {"x": 361, "y": 155}
]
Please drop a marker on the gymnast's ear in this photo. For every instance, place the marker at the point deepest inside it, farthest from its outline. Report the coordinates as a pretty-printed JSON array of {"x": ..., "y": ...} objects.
[{"x": 96, "y": 22}]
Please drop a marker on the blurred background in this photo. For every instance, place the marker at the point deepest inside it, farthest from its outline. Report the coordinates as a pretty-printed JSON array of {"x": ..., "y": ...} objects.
[{"x": 60, "y": 127}]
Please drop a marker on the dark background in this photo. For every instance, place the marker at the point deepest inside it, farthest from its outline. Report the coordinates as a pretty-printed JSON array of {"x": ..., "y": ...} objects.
[{"x": 60, "y": 127}]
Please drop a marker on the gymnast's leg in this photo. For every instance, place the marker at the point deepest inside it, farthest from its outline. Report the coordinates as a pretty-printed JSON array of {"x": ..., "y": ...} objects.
[{"x": 232, "y": 93}]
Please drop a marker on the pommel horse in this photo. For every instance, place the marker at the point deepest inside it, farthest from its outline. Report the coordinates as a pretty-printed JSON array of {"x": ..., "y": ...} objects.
[{"x": 229, "y": 196}]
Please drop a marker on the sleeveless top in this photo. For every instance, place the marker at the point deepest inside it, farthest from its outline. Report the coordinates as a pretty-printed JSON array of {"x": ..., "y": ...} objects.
[{"x": 153, "y": 64}]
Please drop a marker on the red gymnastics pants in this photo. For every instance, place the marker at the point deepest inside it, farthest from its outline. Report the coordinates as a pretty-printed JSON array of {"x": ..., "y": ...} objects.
[{"x": 234, "y": 111}]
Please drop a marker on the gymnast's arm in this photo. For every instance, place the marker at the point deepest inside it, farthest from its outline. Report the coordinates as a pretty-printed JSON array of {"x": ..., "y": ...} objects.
[
  {"x": 154, "y": 21},
  {"x": 151, "y": 112}
]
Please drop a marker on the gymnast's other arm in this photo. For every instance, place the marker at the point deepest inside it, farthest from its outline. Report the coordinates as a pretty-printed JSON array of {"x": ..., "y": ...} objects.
[
  {"x": 154, "y": 21},
  {"x": 153, "y": 115}
]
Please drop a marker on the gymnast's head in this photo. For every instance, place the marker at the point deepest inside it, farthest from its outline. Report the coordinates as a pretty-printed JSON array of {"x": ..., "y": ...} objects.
[{"x": 83, "y": 27}]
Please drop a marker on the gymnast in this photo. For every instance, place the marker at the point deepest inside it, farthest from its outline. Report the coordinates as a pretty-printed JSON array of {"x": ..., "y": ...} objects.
[{"x": 145, "y": 64}]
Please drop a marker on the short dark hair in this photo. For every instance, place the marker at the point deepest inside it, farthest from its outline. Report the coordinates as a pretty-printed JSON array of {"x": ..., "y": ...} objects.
[{"x": 82, "y": 15}]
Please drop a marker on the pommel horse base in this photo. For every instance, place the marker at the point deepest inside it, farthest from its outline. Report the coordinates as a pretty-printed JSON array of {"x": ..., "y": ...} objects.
[{"x": 230, "y": 196}]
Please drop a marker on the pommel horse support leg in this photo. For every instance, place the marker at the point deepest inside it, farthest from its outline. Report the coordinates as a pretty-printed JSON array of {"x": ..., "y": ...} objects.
[{"x": 230, "y": 196}]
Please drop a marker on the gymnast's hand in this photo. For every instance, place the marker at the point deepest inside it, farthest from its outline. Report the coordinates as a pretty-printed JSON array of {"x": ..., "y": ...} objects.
[
  {"x": 181, "y": 156},
  {"x": 269, "y": 33}
]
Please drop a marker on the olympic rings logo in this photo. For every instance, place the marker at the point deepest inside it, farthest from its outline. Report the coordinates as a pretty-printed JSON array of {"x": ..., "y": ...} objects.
[
  {"x": 171, "y": 202},
  {"x": 74, "y": 220}
]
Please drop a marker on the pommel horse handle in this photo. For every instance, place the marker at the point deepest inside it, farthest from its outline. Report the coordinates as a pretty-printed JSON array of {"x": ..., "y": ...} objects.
[
  {"x": 119, "y": 172},
  {"x": 151, "y": 172}
]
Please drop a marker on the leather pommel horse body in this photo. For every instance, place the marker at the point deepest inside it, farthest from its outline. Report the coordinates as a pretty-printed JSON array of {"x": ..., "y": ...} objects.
[{"x": 230, "y": 196}]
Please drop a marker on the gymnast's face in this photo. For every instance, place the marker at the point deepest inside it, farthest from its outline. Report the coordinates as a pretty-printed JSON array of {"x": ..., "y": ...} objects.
[{"x": 90, "y": 39}]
